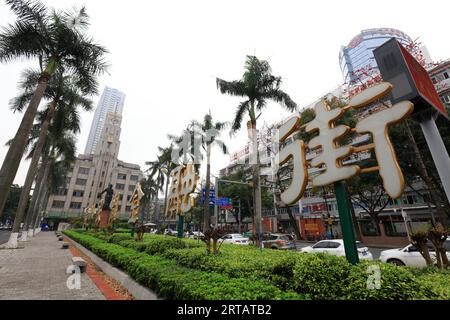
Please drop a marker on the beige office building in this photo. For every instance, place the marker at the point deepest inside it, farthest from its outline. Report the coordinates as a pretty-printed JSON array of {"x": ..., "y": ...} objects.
[{"x": 92, "y": 173}]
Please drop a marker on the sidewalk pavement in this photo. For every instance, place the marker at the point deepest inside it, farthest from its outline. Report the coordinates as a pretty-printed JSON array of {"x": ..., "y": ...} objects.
[{"x": 38, "y": 272}]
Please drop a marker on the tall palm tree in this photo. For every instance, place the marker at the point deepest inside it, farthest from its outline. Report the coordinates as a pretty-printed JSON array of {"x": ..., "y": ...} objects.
[
  {"x": 258, "y": 86},
  {"x": 151, "y": 189},
  {"x": 56, "y": 39},
  {"x": 209, "y": 133},
  {"x": 65, "y": 96},
  {"x": 161, "y": 169},
  {"x": 66, "y": 99}
]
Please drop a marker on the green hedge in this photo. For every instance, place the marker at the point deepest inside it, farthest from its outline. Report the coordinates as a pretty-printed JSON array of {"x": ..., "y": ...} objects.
[
  {"x": 176, "y": 282},
  {"x": 316, "y": 276}
]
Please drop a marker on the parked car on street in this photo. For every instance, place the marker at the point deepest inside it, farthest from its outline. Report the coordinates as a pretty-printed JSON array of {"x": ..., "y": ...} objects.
[
  {"x": 279, "y": 241},
  {"x": 171, "y": 232},
  {"x": 234, "y": 238},
  {"x": 410, "y": 255},
  {"x": 196, "y": 235},
  {"x": 336, "y": 247}
]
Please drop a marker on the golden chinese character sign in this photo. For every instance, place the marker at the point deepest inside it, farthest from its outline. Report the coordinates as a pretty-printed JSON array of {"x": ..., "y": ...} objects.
[
  {"x": 136, "y": 203},
  {"x": 183, "y": 181},
  {"x": 331, "y": 155}
]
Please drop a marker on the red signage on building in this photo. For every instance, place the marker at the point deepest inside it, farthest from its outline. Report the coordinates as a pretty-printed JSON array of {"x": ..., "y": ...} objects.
[{"x": 423, "y": 82}]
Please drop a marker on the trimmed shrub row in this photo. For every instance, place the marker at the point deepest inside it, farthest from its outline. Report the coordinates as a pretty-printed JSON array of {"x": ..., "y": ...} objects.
[
  {"x": 176, "y": 282},
  {"x": 317, "y": 276}
]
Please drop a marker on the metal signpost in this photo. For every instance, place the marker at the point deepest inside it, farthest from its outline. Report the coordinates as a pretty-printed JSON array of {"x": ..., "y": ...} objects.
[{"x": 412, "y": 82}]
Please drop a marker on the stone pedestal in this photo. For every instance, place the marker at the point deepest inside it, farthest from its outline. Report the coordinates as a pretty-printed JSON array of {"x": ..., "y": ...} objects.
[{"x": 104, "y": 219}]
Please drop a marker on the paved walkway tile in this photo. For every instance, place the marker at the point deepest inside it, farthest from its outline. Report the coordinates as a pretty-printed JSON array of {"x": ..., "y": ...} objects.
[{"x": 38, "y": 272}]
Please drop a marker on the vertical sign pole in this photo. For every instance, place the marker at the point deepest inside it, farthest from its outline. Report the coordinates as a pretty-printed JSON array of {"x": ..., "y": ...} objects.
[
  {"x": 180, "y": 226},
  {"x": 438, "y": 152},
  {"x": 216, "y": 208},
  {"x": 348, "y": 233},
  {"x": 239, "y": 216}
]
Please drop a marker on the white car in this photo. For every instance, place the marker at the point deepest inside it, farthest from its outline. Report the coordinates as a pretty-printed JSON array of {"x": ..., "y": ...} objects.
[
  {"x": 196, "y": 235},
  {"x": 336, "y": 247},
  {"x": 410, "y": 255},
  {"x": 235, "y": 238}
]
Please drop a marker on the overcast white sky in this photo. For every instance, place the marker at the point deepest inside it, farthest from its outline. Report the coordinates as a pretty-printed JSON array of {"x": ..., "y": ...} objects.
[{"x": 165, "y": 56}]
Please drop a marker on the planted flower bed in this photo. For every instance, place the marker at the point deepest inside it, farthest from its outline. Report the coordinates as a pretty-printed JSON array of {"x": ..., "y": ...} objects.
[{"x": 180, "y": 269}]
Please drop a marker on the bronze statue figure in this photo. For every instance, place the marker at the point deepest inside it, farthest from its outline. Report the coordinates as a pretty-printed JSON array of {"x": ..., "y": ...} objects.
[{"x": 108, "y": 198}]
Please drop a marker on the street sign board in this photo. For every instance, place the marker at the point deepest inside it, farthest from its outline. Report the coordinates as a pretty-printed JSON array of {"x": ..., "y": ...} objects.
[
  {"x": 409, "y": 79},
  {"x": 224, "y": 203},
  {"x": 212, "y": 196}
]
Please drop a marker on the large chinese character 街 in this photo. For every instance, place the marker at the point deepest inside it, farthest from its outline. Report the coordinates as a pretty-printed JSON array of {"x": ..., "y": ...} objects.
[
  {"x": 377, "y": 125},
  {"x": 332, "y": 154},
  {"x": 296, "y": 152}
]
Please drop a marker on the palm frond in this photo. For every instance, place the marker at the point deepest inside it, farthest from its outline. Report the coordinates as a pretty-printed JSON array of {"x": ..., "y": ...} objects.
[
  {"x": 239, "y": 115},
  {"x": 20, "y": 40},
  {"x": 233, "y": 88},
  {"x": 29, "y": 10},
  {"x": 282, "y": 98}
]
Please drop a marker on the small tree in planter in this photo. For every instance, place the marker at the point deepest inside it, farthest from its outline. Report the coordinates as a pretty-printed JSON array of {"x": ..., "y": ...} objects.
[
  {"x": 438, "y": 235},
  {"x": 215, "y": 235},
  {"x": 419, "y": 239}
]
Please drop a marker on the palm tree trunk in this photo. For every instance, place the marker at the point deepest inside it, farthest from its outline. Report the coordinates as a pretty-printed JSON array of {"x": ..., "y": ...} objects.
[
  {"x": 25, "y": 194},
  {"x": 43, "y": 189},
  {"x": 40, "y": 209},
  {"x": 167, "y": 189},
  {"x": 34, "y": 201},
  {"x": 206, "y": 215},
  {"x": 15, "y": 152},
  {"x": 256, "y": 179}
]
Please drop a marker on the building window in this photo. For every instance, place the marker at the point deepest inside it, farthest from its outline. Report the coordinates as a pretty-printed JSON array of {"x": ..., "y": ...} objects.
[
  {"x": 83, "y": 170},
  {"x": 445, "y": 75},
  {"x": 434, "y": 80},
  {"x": 81, "y": 182},
  {"x": 78, "y": 193},
  {"x": 131, "y": 188},
  {"x": 395, "y": 228},
  {"x": 368, "y": 229},
  {"x": 75, "y": 205},
  {"x": 128, "y": 198},
  {"x": 121, "y": 176},
  {"x": 128, "y": 208},
  {"x": 62, "y": 192},
  {"x": 120, "y": 186},
  {"x": 58, "y": 204},
  {"x": 134, "y": 178}
]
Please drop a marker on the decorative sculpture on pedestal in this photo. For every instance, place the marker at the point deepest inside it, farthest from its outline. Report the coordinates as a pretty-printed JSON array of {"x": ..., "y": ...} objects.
[
  {"x": 105, "y": 208},
  {"x": 114, "y": 210},
  {"x": 135, "y": 204},
  {"x": 96, "y": 217}
]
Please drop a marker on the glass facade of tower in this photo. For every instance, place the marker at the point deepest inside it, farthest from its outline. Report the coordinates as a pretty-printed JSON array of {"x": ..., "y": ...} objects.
[
  {"x": 358, "y": 54},
  {"x": 112, "y": 100}
]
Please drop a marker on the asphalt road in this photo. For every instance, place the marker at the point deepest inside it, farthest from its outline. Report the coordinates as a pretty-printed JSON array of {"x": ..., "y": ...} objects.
[{"x": 4, "y": 236}]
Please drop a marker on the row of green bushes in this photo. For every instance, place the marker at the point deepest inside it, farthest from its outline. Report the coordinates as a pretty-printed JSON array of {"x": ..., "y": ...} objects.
[
  {"x": 171, "y": 281},
  {"x": 318, "y": 276}
]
